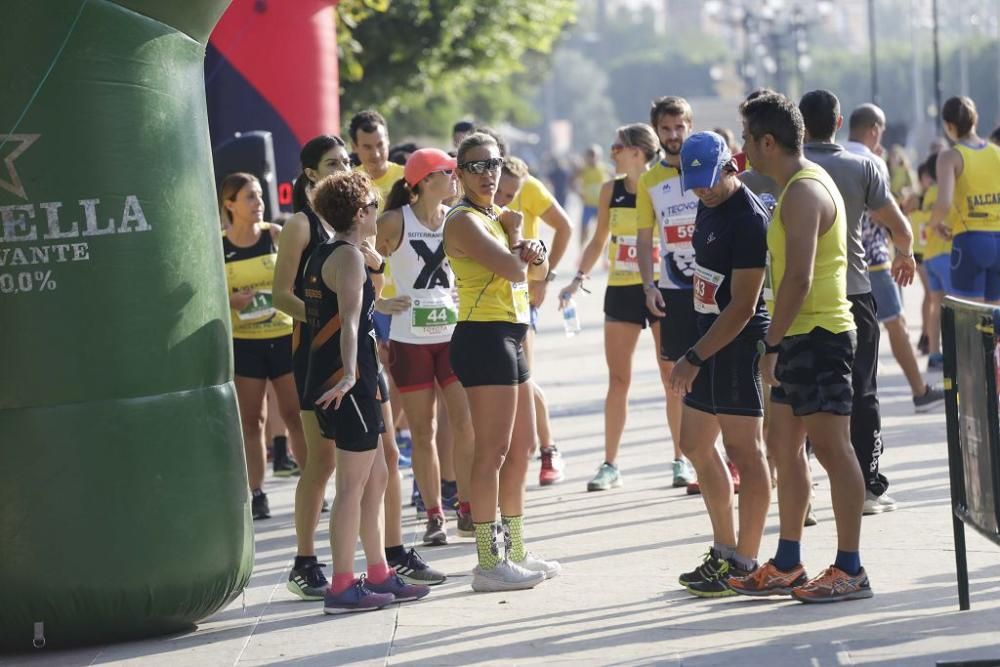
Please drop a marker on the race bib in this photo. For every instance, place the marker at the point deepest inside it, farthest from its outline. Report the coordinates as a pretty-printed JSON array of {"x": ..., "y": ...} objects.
[
  {"x": 678, "y": 234},
  {"x": 259, "y": 308},
  {"x": 433, "y": 317},
  {"x": 627, "y": 256},
  {"x": 522, "y": 311},
  {"x": 768, "y": 291},
  {"x": 706, "y": 286}
]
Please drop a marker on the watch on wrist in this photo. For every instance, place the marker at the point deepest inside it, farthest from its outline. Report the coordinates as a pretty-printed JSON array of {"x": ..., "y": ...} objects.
[
  {"x": 764, "y": 349},
  {"x": 692, "y": 358},
  {"x": 651, "y": 285},
  {"x": 550, "y": 276}
]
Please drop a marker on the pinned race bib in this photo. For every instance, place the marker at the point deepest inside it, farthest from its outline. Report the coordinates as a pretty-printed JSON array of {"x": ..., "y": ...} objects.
[
  {"x": 706, "y": 287},
  {"x": 678, "y": 234},
  {"x": 260, "y": 307},
  {"x": 522, "y": 309},
  {"x": 627, "y": 255},
  {"x": 433, "y": 317}
]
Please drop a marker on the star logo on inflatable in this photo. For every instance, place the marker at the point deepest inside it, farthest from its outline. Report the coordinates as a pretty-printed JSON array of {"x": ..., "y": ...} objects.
[{"x": 14, "y": 145}]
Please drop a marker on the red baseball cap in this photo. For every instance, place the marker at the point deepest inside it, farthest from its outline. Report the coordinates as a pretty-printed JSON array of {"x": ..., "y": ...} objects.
[{"x": 426, "y": 161}]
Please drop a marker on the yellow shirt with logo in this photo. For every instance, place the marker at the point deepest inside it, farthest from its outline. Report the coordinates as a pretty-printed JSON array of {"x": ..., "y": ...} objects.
[
  {"x": 623, "y": 224},
  {"x": 976, "y": 204},
  {"x": 660, "y": 203},
  {"x": 826, "y": 305},
  {"x": 483, "y": 296},
  {"x": 246, "y": 270},
  {"x": 592, "y": 177},
  {"x": 934, "y": 244},
  {"x": 384, "y": 185},
  {"x": 533, "y": 200}
]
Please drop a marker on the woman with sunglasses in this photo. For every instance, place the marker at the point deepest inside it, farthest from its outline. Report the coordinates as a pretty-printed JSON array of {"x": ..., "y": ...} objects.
[
  {"x": 321, "y": 156},
  {"x": 625, "y": 312},
  {"x": 342, "y": 381},
  {"x": 411, "y": 232},
  {"x": 492, "y": 264}
]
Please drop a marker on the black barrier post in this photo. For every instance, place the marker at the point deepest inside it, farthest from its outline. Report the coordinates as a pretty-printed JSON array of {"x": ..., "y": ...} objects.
[{"x": 955, "y": 467}]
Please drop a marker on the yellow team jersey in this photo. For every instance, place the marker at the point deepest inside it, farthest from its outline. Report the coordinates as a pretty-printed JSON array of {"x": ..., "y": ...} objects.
[
  {"x": 484, "y": 296},
  {"x": 623, "y": 258},
  {"x": 661, "y": 204},
  {"x": 934, "y": 245},
  {"x": 532, "y": 201},
  {"x": 253, "y": 268},
  {"x": 826, "y": 304},
  {"x": 976, "y": 204},
  {"x": 591, "y": 180},
  {"x": 384, "y": 185}
]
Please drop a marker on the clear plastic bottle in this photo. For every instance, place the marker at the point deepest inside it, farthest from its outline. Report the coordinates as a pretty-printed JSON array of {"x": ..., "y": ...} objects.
[{"x": 571, "y": 320}]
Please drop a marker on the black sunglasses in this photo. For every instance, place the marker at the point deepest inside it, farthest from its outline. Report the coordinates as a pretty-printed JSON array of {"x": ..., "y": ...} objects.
[
  {"x": 371, "y": 204},
  {"x": 482, "y": 166}
]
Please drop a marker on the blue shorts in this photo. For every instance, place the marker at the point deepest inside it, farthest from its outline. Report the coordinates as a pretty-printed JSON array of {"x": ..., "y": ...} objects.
[
  {"x": 975, "y": 265},
  {"x": 589, "y": 213},
  {"x": 939, "y": 273},
  {"x": 888, "y": 305},
  {"x": 382, "y": 323}
]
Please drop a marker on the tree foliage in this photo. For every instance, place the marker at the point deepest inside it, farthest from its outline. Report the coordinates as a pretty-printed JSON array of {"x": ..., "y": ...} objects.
[{"x": 419, "y": 60}]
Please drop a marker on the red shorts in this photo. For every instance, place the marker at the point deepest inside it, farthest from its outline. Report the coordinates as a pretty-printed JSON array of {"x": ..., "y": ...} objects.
[{"x": 415, "y": 367}]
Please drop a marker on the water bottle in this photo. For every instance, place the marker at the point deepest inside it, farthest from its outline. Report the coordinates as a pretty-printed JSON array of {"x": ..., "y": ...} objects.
[{"x": 571, "y": 322}]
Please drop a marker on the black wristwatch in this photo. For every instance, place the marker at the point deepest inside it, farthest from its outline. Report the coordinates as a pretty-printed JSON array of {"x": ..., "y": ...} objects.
[
  {"x": 764, "y": 349},
  {"x": 692, "y": 358}
]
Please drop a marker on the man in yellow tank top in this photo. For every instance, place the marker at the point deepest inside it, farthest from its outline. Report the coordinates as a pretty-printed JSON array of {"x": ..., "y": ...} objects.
[
  {"x": 587, "y": 183},
  {"x": 806, "y": 356}
]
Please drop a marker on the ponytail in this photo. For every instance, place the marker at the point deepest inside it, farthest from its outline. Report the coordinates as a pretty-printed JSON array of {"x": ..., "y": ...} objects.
[
  {"x": 400, "y": 195},
  {"x": 309, "y": 157},
  {"x": 300, "y": 193}
]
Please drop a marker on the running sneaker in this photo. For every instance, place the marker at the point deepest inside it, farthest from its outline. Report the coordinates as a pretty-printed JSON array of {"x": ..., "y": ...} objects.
[
  {"x": 735, "y": 474},
  {"x": 325, "y": 507},
  {"x": 416, "y": 500},
  {"x": 935, "y": 362},
  {"x": 923, "y": 344},
  {"x": 533, "y": 563},
  {"x": 878, "y": 504},
  {"x": 694, "y": 488},
  {"x": 607, "y": 477},
  {"x": 810, "y": 517},
  {"x": 449, "y": 495},
  {"x": 405, "y": 445},
  {"x": 769, "y": 580},
  {"x": 413, "y": 569},
  {"x": 308, "y": 582},
  {"x": 434, "y": 534},
  {"x": 259, "y": 507},
  {"x": 465, "y": 527},
  {"x": 835, "y": 585},
  {"x": 395, "y": 586},
  {"x": 552, "y": 467},
  {"x": 709, "y": 568},
  {"x": 683, "y": 473},
  {"x": 506, "y": 576},
  {"x": 932, "y": 398},
  {"x": 718, "y": 586},
  {"x": 355, "y": 598},
  {"x": 286, "y": 467}
]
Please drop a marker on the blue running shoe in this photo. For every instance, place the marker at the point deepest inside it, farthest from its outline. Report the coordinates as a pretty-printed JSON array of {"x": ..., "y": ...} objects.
[
  {"x": 405, "y": 444},
  {"x": 449, "y": 496},
  {"x": 355, "y": 598},
  {"x": 400, "y": 590}
]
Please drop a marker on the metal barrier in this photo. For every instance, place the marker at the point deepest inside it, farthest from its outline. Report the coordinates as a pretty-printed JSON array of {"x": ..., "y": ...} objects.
[{"x": 971, "y": 349}]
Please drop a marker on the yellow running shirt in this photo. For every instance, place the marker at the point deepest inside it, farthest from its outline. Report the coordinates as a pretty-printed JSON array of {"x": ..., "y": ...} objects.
[
  {"x": 976, "y": 204},
  {"x": 591, "y": 180},
  {"x": 934, "y": 245},
  {"x": 384, "y": 185},
  {"x": 253, "y": 268},
  {"x": 622, "y": 252},
  {"x": 532, "y": 201},
  {"x": 484, "y": 296},
  {"x": 659, "y": 203},
  {"x": 826, "y": 304}
]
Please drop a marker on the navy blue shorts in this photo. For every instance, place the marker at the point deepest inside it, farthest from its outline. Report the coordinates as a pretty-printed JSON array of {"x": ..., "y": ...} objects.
[{"x": 975, "y": 265}]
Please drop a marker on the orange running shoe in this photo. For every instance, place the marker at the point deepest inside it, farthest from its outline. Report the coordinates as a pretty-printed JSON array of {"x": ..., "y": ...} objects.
[
  {"x": 769, "y": 580},
  {"x": 835, "y": 585}
]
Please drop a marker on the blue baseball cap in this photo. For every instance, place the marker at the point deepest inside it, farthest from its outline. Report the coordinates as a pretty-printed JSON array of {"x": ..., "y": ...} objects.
[{"x": 702, "y": 157}]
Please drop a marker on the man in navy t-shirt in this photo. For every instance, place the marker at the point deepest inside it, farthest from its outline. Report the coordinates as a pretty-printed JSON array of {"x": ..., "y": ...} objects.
[{"x": 718, "y": 376}]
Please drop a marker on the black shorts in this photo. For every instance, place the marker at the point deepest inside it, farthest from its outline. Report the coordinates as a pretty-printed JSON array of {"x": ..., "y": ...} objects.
[
  {"x": 489, "y": 353},
  {"x": 262, "y": 358},
  {"x": 627, "y": 303},
  {"x": 729, "y": 382},
  {"x": 301, "y": 339},
  {"x": 383, "y": 387},
  {"x": 355, "y": 426},
  {"x": 679, "y": 329},
  {"x": 814, "y": 370}
]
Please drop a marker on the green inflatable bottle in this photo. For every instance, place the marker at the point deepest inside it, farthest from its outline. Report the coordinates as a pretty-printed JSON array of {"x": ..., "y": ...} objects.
[{"x": 123, "y": 491}]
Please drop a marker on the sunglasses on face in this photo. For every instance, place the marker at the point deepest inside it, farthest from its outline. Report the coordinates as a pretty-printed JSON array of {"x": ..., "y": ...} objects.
[
  {"x": 482, "y": 166},
  {"x": 370, "y": 205}
]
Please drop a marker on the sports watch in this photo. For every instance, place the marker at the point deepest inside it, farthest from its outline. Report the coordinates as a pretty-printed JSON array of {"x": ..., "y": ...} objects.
[{"x": 764, "y": 349}]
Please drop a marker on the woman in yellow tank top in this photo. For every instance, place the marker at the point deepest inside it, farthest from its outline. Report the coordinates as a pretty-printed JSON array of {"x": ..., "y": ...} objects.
[
  {"x": 625, "y": 312},
  {"x": 492, "y": 264},
  {"x": 968, "y": 177}
]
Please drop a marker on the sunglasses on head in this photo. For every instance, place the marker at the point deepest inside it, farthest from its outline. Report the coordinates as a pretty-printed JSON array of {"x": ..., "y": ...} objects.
[{"x": 482, "y": 166}]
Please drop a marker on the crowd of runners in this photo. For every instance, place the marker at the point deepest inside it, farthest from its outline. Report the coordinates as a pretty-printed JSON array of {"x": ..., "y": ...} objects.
[{"x": 398, "y": 306}]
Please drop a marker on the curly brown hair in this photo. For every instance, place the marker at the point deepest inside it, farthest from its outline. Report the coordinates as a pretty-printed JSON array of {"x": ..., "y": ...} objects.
[{"x": 338, "y": 197}]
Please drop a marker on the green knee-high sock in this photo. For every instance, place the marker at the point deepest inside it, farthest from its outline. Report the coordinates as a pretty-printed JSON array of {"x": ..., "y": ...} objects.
[
  {"x": 514, "y": 527},
  {"x": 486, "y": 545}
]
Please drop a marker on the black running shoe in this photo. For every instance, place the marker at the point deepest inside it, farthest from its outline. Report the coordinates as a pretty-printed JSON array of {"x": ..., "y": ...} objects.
[
  {"x": 716, "y": 587},
  {"x": 286, "y": 467},
  {"x": 259, "y": 507},
  {"x": 711, "y": 565},
  {"x": 412, "y": 569},
  {"x": 308, "y": 582}
]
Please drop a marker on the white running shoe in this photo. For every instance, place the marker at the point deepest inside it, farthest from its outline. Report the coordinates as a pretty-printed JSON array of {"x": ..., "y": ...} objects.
[
  {"x": 533, "y": 563},
  {"x": 506, "y": 576}
]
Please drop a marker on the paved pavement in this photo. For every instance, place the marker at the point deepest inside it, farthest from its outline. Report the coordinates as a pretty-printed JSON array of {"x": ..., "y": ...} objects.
[{"x": 617, "y": 601}]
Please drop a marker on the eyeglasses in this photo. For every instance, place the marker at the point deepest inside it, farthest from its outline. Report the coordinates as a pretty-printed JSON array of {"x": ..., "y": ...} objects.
[
  {"x": 371, "y": 204},
  {"x": 482, "y": 166}
]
